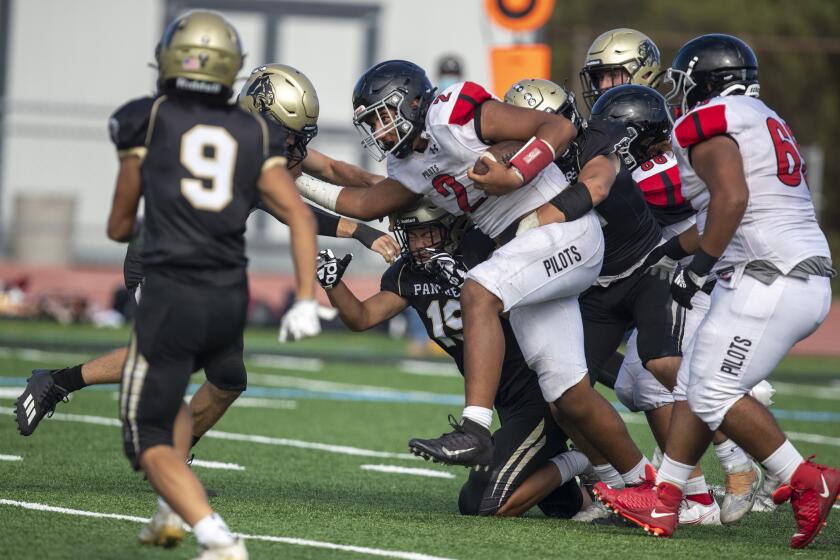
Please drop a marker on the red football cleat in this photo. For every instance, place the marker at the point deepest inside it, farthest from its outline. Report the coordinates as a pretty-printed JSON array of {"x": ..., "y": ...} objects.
[
  {"x": 812, "y": 490},
  {"x": 651, "y": 507}
]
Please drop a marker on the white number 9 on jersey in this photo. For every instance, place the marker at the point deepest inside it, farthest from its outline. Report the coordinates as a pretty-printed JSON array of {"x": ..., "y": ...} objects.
[{"x": 209, "y": 153}]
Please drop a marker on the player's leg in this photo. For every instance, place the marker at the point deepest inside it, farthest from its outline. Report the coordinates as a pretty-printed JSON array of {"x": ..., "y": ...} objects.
[
  {"x": 46, "y": 388},
  {"x": 540, "y": 266},
  {"x": 226, "y": 380},
  {"x": 770, "y": 320}
]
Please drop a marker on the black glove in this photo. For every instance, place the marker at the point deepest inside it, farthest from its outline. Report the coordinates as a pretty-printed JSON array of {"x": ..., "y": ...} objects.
[
  {"x": 446, "y": 270},
  {"x": 688, "y": 280},
  {"x": 330, "y": 269}
]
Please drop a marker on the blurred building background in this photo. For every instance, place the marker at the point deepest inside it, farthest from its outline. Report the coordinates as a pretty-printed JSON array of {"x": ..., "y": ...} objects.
[{"x": 67, "y": 65}]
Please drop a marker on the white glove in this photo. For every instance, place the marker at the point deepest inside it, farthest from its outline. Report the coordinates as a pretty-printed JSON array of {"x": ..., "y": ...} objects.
[
  {"x": 443, "y": 267},
  {"x": 303, "y": 320}
]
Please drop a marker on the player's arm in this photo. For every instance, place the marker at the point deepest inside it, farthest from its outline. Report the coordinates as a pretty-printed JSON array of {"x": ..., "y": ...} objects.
[
  {"x": 126, "y": 199},
  {"x": 546, "y": 135},
  {"x": 338, "y": 172},
  {"x": 282, "y": 200},
  {"x": 383, "y": 198},
  {"x": 593, "y": 186},
  {"x": 363, "y": 315},
  {"x": 717, "y": 161}
]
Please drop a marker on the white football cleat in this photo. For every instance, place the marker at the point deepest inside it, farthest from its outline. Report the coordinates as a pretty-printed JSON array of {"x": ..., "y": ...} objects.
[
  {"x": 595, "y": 510},
  {"x": 235, "y": 551},
  {"x": 764, "y": 498},
  {"x": 695, "y": 513},
  {"x": 742, "y": 485},
  {"x": 165, "y": 528}
]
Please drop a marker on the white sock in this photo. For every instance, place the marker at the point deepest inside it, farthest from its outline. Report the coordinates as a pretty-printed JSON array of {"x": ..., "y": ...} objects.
[
  {"x": 212, "y": 531},
  {"x": 479, "y": 415},
  {"x": 570, "y": 464},
  {"x": 636, "y": 474},
  {"x": 730, "y": 455},
  {"x": 608, "y": 475},
  {"x": 696, "y": 485},
  {"x": 674, "y": 472},
  {"x": 782, "y": 462}
]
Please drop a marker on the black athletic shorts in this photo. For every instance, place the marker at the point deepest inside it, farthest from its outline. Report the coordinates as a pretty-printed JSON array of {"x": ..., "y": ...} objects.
[
  {"x": 642, "y": 300},
  {"x": 179, "y": 329},
  {"x": 527, "y": 439}
]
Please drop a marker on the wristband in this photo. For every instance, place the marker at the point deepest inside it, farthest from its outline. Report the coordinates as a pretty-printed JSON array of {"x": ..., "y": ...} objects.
[
  {"x": 366, "y": 235},
  {"x": 702, "y": 263},
  {"x": 673, "y": 250},
  {"x": 534, "y": 156},
  {"x": 319, "y": 192},
  {"x": 574, "y": 201}
]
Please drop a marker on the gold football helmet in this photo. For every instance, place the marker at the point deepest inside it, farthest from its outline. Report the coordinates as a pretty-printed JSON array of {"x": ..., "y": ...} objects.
[
  {"x": 286, "y": 96},
  {"x": 627, "y": 55},
  {"x": 443, "y": 228},
  {"x": 544, "y": 95},
  {"x": 201, "y": 51}
]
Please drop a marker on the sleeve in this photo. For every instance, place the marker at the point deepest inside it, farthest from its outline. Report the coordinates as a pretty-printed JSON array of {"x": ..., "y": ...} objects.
[
  {"x": 128, "y": 127},
  {"x": 391, "y": 279},
  {"x": 600, "y": 138},
  {"x": 326, "y": 223},
  {"x": 469, "y": 99},
  {"x": 707, "y": 121},
  {"x": 276, "y": 149}
]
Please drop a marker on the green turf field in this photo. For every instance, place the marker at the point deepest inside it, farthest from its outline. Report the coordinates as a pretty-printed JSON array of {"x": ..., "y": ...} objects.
[{"x": 360, "y": 411}]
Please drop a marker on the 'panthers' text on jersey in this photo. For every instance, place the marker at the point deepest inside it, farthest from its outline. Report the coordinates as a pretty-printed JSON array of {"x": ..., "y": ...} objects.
[
  {"x": 659, "y": 180},
  {"x": 455, "y": 142},
  {"x": 200, "y": 166},
  {"x": 440, "y": 310},
  {"x": 779, "y": 225}
]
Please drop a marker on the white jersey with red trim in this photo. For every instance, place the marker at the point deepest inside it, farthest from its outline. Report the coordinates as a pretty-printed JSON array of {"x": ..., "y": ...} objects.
[
  {"x": 779, "y": 225},
  {"x": 440, "y": 172}
]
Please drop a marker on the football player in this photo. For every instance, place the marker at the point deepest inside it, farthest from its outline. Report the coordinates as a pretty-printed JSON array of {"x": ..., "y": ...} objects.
[
  {"x": 428, "y": 277},
  {"x": 630, "y": 290},
  {"x": 619, "y": 53},
  {"x": 741, "y": 169},
  {"x": 283, "y": 96},
  {"x": 195, "y": 294},
  {"x": 550, "y": 243}
]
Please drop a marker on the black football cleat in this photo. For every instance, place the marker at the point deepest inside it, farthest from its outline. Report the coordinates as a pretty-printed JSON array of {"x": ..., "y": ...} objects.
[
  {"x": 468, "y": 444},
  {"x": 39, "y": 399}
]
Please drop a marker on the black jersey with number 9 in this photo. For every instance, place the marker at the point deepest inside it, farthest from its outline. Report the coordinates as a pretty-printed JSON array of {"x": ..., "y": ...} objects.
[{"x": 200, "y": 166}]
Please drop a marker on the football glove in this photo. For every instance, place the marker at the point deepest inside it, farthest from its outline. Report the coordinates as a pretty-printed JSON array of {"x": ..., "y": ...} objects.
[
  {"x": 303, "y": 319},
  {"x": 684, "y": 285},
  {"x": 330, "y": 269},
  {"x": 445, "y": 269}
]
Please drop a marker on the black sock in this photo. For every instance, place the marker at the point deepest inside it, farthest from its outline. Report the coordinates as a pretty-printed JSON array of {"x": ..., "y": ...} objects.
[
  {"x": 70, "y": 379},
  {"x": 195, "y": 440}
]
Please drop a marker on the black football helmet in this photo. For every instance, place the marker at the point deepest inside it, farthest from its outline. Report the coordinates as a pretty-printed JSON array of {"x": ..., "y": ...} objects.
[
  {"x": 643, "y": 112},
  {"x": 709, "y": 66},
  {"x": 399, "y": 90}
]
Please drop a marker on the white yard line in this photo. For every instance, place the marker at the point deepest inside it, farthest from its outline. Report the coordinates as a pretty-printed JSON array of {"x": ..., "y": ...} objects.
[
  {"x": 286, "y": 362},
  {"x": 268, "y": 538},
  {"x": 814, "y": 438},
  {"x": 272, "y": 380},
  {"x": 13, "y": 393},
  {"x": 11, "y": 458},
  {"x": 255, "y": 402},
  {"x": 33, "y": 355},
  {"x": 424, "y": 367},
  {"x": 820, "y": 392},
  {"x": 216, "y": 465},
  {"x": 394, "y": 469},
  {"x": 266, "y": 440}
]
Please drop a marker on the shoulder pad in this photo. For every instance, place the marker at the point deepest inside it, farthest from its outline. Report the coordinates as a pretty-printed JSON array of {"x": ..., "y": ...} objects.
[{"x": 701, "y": 124}]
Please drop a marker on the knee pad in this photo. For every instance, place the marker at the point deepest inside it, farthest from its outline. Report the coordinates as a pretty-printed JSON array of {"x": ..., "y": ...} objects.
[
  {"x": 649, "y": 393},
  {"x": 709, "y": 405}
]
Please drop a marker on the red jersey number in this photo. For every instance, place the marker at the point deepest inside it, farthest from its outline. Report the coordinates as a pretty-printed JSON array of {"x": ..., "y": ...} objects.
[
  {"x": 788, "y": 159},
  {"x": 447, "y": 185}
]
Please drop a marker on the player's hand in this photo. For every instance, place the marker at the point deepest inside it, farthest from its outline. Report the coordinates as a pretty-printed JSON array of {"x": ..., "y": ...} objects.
[
  {"x": 303, "y": 320},
  {"x": 387, "y": 247},
  {"x": 499, "y": 179},
  {"x": 446, "y": 269},
  {"x": 684, "y": 285},
  {"x": 330, "y": 269},
  {"x": 664, "y": 266}
]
